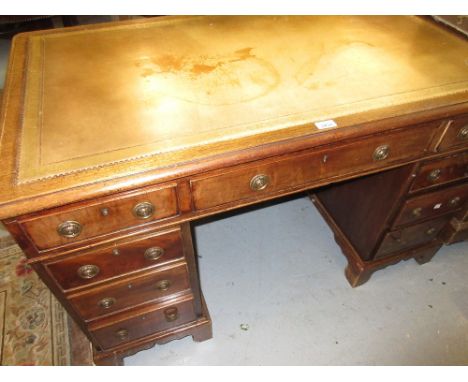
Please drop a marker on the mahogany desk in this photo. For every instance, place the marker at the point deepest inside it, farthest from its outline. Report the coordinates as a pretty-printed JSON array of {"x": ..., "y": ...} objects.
[{"x": 115, "y": 137}]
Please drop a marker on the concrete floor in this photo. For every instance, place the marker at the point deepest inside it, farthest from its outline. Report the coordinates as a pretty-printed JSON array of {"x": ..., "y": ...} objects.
[{"x": 276, "y": 271}]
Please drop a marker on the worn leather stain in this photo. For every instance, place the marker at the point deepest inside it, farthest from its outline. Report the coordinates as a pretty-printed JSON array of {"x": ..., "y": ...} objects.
[
  {"x": 203, "y": 68},
  {"x": 321, "y": 57},
  {"x": 221, "y": 79}
]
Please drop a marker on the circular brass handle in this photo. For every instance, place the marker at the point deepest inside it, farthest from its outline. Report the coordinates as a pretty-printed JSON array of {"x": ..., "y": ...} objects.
[
  {"x": 397, "y": 237},
  {"x": 381, "y": 152},
  {"x": 259, "y": 182},
  {"x": 122, "y": 334},
  {"x": 434, "y": 175},
  {"x": 463, "y": 132},
  {"x": 431, "y": 231},
  {"x": 417, "y": 211},
  {"x": 163, "y": 285},
  {"x": 69, "y": 229},
  {"x": 107, "y": 302},
  {"x": 454, "y": 201},
  {"x": 171, "y": 314},
  {"x": 88, "y": 271},
  {"x": 153, "y": 253},
  {"x": 143, "y": 210}
]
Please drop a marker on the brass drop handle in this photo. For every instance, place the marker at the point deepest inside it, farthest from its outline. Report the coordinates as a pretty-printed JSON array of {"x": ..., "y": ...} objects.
[
  {"x": 122, "y": 334},
  {"x": 463, "y": 132},
  {"x": 143, "y": 210},
  {"x": 259, "y": 182},
  {"x": 107, "y": 302},
  {"x": 454, "y": 201},
  {"x": 69, "y": 229},
  {"x": 163, "y": 285},
  {"x": 434, "y": 175},
  {"x": 417, "y": 211},
  {"x": 171, "y": 314},
  {"x": 431, "y": 231},
  {"x": 381, "y": 153},
  {"x": 88, "y": 271},
  {"x": 397, "y": 237},
  {"x": 154, "y": 253}
]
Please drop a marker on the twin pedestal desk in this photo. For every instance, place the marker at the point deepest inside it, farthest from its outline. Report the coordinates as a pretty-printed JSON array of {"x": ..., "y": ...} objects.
[{"x": 115, "y": 137}]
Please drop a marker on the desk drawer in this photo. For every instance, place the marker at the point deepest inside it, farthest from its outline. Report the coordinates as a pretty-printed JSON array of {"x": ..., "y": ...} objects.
[
  {"x": 155, "y": 319},
  {"x": 256, "y": 180},
  {"x": 441, "y": 171},
  {"x": 118, "y": 259},
  {"x": 462, "y": 215},
  {"x": 102, "y": 216},
  {"x": 131, "y": 292},
  {"x": 456, "y": 135},
  {"x": 410, "y": 237},
  {"x": 432, "y": 204},
  {"x": 455, "y": 231}
]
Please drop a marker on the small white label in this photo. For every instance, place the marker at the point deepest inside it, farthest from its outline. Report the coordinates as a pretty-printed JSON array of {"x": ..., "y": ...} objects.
[
  {"x": 329, "y": 123},
  {"x": 437, "y": 206}
]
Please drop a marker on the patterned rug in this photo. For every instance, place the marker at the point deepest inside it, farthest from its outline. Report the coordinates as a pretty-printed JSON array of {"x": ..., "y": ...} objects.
[{"x": 34, "y": 328}]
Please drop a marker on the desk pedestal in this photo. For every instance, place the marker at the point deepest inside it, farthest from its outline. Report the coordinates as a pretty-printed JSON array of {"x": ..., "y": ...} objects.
[{"x": 407, "y": 212}]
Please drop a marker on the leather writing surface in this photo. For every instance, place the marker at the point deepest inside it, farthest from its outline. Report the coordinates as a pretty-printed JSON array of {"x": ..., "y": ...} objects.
[{"x": 123, "y": 92}]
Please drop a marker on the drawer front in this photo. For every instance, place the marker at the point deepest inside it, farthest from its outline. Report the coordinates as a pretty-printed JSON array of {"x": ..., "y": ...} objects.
[
  {"x": 441, "y": 171},
  {"x": 455, "y": 231},
  {"x": 252, "y": 181},
  {"x": 456, "y": 135},
  {"x": 131, "y": 292},
  {"x": 121, "y": 258},
  {"x": 410, "y": 237},
  {"x": 162, "y": 317},
  {"x": 432, "y": 204},
  {"x": 100, "y": 217},
  {"x": 462, "y": 215}
]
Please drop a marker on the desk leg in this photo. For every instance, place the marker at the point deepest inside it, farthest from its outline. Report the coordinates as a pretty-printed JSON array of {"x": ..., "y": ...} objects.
[{"x": 359, "y": 271}]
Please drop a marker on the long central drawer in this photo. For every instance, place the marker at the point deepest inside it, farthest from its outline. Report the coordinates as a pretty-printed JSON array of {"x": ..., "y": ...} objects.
[{"x": 251, "y": 181}]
